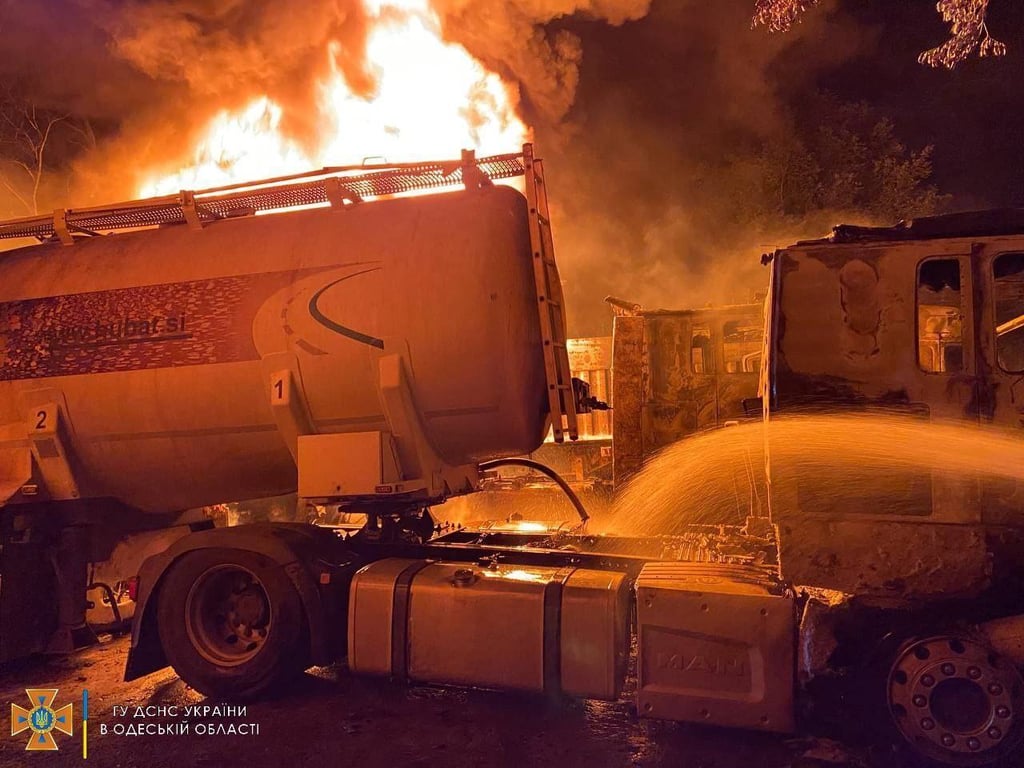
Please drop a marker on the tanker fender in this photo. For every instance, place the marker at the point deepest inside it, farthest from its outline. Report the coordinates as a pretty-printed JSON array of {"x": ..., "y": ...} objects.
[{"x": 318, "y": 563}]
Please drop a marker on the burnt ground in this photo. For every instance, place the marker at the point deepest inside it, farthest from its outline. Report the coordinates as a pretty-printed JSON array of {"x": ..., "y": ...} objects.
[{"x": 330, "y": 717}]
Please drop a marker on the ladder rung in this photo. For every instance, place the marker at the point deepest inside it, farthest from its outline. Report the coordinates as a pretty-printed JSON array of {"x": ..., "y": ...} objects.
[{"x": 549, "y": 292}]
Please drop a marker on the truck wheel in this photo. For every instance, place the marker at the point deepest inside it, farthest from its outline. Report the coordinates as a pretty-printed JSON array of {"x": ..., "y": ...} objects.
[
  {"x": 956, "y": 701},
  {"x": 231, "y": 623}
]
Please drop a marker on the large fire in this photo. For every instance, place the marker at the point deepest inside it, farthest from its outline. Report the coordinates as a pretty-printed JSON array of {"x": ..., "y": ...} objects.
[{"x": 432, "y": 99}]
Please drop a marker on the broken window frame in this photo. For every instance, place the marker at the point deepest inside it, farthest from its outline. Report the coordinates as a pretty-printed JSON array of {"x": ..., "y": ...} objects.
[
  {"x": 707, "y": 350},
  {"x": 734, "y": 333},
  {"x": 940, "y": 360}
]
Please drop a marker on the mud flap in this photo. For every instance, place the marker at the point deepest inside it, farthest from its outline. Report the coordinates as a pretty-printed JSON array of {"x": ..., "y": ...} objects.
[{"x": 27, "y": 583}]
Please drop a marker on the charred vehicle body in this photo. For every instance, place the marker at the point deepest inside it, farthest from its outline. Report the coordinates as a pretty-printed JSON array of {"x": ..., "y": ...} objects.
[
  {"x": 382, "y": 351},
  {"x": 680, "y": 372}
]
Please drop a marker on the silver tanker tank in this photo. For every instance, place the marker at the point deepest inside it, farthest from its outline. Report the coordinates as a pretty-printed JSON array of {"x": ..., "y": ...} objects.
[{"x": 151, "y": 342}]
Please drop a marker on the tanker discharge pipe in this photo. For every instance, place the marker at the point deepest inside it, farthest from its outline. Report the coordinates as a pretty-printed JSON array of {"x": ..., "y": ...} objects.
[{"x": 544, "y": 470}]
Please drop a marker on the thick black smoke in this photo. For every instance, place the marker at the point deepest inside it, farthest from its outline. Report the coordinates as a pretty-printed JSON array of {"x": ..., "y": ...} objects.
[
  {"x": 654, "y": 167},
  {"x": 516, "y": 38}
]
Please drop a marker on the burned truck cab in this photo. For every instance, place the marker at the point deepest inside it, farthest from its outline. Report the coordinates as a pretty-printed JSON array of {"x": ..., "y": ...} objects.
[
  {"x": 893, "y": 385},
  {"x": 925, "y": 315},
  {"x": 920, "y": 328}
]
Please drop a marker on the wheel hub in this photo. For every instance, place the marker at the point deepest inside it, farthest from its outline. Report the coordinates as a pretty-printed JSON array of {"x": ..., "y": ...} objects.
[
  {"x": 954, "y": 699},
  {"x": 227, "y": 615}
]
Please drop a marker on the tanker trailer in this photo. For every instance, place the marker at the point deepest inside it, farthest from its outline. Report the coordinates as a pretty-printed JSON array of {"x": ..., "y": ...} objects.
[
  {"x": 378, "y": 353},
  {"x": 386, "y": 346}
]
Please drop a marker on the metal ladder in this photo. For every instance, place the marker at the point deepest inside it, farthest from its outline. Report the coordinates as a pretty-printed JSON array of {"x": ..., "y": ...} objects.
[{"x": 561, "y": 398}]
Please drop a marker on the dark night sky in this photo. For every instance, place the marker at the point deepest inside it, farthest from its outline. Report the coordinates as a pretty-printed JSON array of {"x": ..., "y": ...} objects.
[
  {"x": 973, "y": 115},
  {"x": 857, "y": 49}
]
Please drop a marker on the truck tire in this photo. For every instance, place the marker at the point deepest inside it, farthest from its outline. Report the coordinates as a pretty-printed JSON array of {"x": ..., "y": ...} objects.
[
  {"x": 955, "y": 702},
  {"x": 231, "y": 623}
]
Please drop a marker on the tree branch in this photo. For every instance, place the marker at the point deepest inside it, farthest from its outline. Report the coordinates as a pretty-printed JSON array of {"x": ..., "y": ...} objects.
[
  {"x": 968, "y": 31},
  {"x": 779, "y": 15},
  {"x": 26, "y": 133},
  {"x": 17, "y": 195}
]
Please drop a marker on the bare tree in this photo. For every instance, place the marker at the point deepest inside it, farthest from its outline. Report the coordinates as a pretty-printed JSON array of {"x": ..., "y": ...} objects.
[
  {"x": 27, "y": 139},
  {"x": 966, "y": 19}
]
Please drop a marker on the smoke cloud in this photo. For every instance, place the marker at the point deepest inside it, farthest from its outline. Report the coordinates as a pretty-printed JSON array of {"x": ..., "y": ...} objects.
[
  {"x": 150, "y": 74},
  {"x": 223, "y": 53},
  {"x": 655, "y": 167},
  {"x": 155, "y": 72},
  {"x": 511, "y": 38},
  {"x": 646, "y": 111}
]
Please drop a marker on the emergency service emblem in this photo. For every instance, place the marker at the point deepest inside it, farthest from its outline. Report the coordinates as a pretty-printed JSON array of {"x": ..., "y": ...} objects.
[{"x": 42, "y": 719}]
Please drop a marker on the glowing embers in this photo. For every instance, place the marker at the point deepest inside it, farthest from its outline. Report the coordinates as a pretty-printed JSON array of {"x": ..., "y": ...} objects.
[{"x": 523, "y": 526}]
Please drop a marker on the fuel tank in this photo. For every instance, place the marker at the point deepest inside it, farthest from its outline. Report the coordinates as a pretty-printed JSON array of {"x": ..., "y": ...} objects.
[
  {"x": 154, "y": 345},
  {"x": 501, "y": 626}
]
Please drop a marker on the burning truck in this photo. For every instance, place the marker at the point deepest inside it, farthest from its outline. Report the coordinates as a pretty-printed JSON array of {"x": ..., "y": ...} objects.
[{"x": 380, "y": 350}]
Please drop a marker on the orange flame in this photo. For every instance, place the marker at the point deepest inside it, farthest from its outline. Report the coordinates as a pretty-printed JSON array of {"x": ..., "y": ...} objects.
[{"x": 432, "y": 100}]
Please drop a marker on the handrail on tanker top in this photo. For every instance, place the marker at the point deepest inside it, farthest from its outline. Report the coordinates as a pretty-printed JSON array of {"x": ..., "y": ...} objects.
[{"x": 337, "y": 185}]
